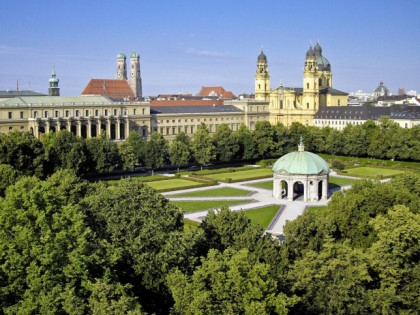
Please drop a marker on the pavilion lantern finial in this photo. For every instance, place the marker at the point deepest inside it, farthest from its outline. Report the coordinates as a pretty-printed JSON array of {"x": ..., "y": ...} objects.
[{"x": 301, "y": 146}]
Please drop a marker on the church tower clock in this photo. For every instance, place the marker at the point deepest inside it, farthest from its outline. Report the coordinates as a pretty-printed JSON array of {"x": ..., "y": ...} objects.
[
  {"x": 53, "y": 89},
  {"x": 121, "y": 67},
  {"x": 262, "y": 79},
  {"x": 310, "y": 81}
]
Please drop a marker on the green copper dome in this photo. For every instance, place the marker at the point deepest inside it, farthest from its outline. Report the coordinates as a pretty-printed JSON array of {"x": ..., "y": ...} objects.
[
  {"x": 134, "y": 54},
  {"x": 121, "y": 56},
  {"x": 301, "y": 163}
]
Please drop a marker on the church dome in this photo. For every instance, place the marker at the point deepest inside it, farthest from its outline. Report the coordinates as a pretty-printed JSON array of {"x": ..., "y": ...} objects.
[
  {"x": 134, "y": 54},
  {"x": 322, "y": 62},
  {"x": 301, "y": 163},
  {"x": 121, "y": 56},
  {"x": 381, "y": 90},
  {"x": 310, "y": 52},
  {"x": 262, "y": 57}
]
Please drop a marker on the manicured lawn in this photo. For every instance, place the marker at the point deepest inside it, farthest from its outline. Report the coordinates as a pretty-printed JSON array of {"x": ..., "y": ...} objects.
[
  {"x": 218, "y": 192},
  {"x": 176, "y": 183},
  {"x": 190, "y": 206},
  {"x": 365, "y": 171},
  {"x": 112, "y": 182},
  {"x": 263, "y": 215},
  {"x": 333, "y": 182},
  {"x": 242, "y": 175}
]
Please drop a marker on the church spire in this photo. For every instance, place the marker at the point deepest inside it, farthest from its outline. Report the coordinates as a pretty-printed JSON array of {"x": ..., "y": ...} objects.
[{"x": 53, "y": 89}]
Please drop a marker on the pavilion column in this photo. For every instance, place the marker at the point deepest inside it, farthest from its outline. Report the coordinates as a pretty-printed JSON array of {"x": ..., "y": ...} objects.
[
  {"x": 275, "y": 188},
  {"x": 108, "y": 128},
  {"x": 98, "y": 127},
  {"x": 305, "y": 191},
  {"x": 47, "y": 126},
  {"x": 89, "y": 128},
  {"x": 69, "y": 125},
  {"x": 325, "y": 189},
  {"x": 79, "y": 128},
  {"x": 316, "y": 191},
  {"x": 127, "y": 127},
  {"x": 290, "y": 190},
  {"x": 118, "y": 129},
  {"x": 36, "y": 129}
]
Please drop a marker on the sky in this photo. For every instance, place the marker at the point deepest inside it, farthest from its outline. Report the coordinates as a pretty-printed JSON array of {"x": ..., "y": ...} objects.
[{"x": 186, "y": 44}]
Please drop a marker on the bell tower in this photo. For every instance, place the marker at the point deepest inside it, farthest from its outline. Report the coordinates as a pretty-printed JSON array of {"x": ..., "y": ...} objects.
[
  {"x": 310, "y": 81},
  {"x": 53, "y": 89},
  {"x": 262, "y": 79},
  {"x": 135, "y": 78},
  {"x": 121, "y": 67}
]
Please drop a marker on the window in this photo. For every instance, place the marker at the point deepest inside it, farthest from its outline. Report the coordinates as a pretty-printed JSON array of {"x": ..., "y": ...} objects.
[
  {"x": 167, "y": 130},
  {"x": 10, "y": 128},
  {"x": 173, "y": 130},
  {"x": 144, "y": 111},
  {"x": 35, "y": 114},
  {"x": 22, "y": 127},
  {"x": 144, "y": 132},
  {"x": 307, "y": 105},
  {"x": 161, "y": 130},
  {"x": 77, "y": 113},
  {"x": 46, "y": 114},
  {"x": 21, "y": 114},
  {"x": 57, "y": 113},
  {"x": 10, "y": 115},
  {"x": 135, "y": 111},
  {"x": 67, "y": 113},
  {"x": 186, "y": 129},
  {"x": 106, "y": 112},
  {"x": 96, "y": 112},
  {"x": 115, "y": 112},
  {"x": 86, "y": 113},
  {"x": 307, "y": 85},
  {"x": 281, "y": 104},
  {"x": 338, "y": 102}
]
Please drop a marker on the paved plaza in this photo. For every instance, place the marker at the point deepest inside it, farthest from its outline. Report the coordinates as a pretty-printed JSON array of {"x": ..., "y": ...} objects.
[{"x": 262, "y": 197}]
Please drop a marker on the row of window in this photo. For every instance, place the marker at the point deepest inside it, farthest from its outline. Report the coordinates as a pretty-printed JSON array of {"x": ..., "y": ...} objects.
[
  {"x": 78, "y": 113},
  {"x": 191, "y": 129},
  {"x": 198, "y": 119},
  {"x": 10, "y": 115}
]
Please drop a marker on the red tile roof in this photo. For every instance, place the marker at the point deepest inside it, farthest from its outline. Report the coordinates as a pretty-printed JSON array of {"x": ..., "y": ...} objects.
[
  {"x": 108, "y": 87},
  {"x": 215, "y": 90},
  {"x": 186, "y": 102}
]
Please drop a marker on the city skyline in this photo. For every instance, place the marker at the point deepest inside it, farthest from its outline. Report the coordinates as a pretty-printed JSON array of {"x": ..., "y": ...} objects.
[{"x": 192, "y": 44}]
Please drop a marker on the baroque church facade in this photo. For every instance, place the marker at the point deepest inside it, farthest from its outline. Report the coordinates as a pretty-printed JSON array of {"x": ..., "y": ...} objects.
[{"x": 287, "y": 105}]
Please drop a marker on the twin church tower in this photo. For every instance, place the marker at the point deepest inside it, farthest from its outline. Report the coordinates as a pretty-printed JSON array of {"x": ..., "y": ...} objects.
[
  {"x": 290, "y": 104},
  {"x": 135, "y": 79}
]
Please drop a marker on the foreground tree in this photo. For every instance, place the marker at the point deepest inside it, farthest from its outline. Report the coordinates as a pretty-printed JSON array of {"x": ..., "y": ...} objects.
[
  {"x": 247, "y": 145},
  {"x": 202, "y": 146},
  {"x": 232, "y": 282},
  {"x": 24, "y": 152},
  {"x": 179, "y": 153},
  {"x": 8, "y": 176}
]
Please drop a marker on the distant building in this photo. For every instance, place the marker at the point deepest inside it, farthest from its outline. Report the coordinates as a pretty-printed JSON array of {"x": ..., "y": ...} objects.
[
  {"x": 18, "y": 93},
  {"x": 53, "y": 89},
  {"x": 381, "y": 90},
  {"x": 121, "y": 88},
  {"x": 218, "y": 91},
  {"x": 339, "y": 117},
  {"x": 292, "y": 104}
]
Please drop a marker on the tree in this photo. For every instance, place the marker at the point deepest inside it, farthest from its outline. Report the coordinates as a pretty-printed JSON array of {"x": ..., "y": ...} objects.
[
  {"x": 142, "y": 233},
  {"x": 334, "y": 142},
  {"x": 179, "y": 153},
  {"x": 247, "y": 145},
  {"x": 232, "y": 282},
  {"x": 225, "y": 143},
  {"x": 395, "y": 261},
  {"x": 8, "y": 176},
  {"x": 332, "y": 281},
  {"x": 355, "y": 141},
  {"x": 264, "y": 138},
  {"x": 156, "y": 152},
  {"x": 103, "y": 153},
  {"x": 202, "y": 147},
  {"x": 137, "y": 144},
  {"x": 24, "y": 152},
  {"x": 47, "y": 249}
]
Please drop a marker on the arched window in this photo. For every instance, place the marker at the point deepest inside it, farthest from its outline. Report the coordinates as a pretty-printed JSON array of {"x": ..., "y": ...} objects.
[{"x": 307, "y": 85}]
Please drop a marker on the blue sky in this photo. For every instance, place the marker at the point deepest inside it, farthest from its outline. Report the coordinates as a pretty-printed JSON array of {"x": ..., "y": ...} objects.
[{"x": 186, "y": 44}]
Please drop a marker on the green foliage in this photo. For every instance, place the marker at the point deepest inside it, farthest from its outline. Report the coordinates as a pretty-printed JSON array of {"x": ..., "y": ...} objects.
[
  {"x": 247, "y": 145},
  {"x": 338, "y": 165},
  {"x": 8, "y": 176},
  {"x": 263, "y": 136},
  {"x": 103, "y": 154},
  {"x": 23, "y": 152},
  {"x": 202, "y": 147},
  {"x": 226, "y": 144},
  {"x": 132, "y": 151},
  {"x": 232, "y": 282},
  {"x": 156, "y": 151},
  {"x": 179, "y": 153}
]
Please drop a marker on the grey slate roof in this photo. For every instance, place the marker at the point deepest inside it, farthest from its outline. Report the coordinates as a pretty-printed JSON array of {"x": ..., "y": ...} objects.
[
  {"x": 10, "y": 94},
  {"x": 194, "y": 109},
  {"x": 368, "y": 112},
  {"x": 332, "y": 91}
]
